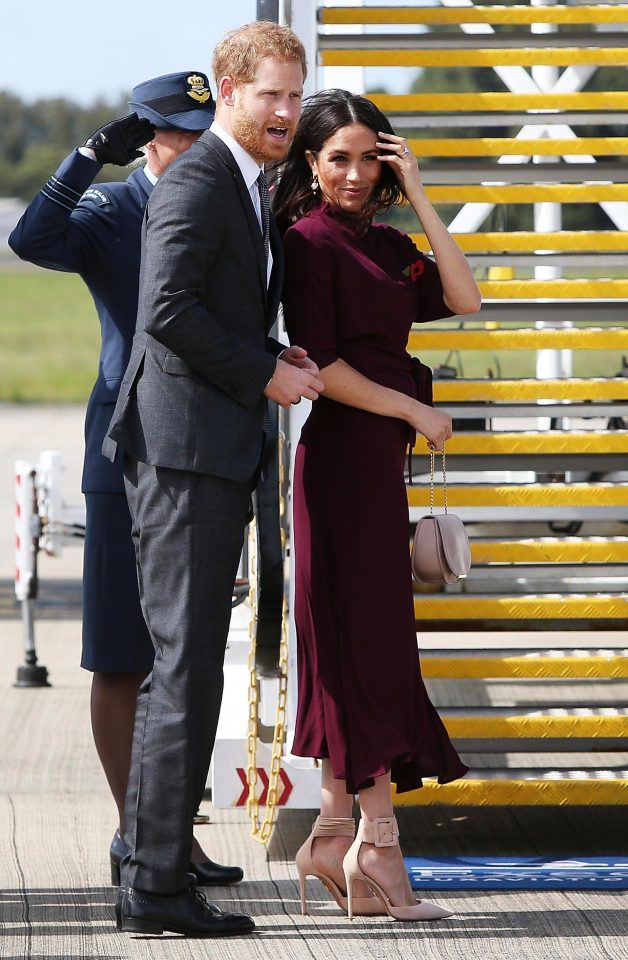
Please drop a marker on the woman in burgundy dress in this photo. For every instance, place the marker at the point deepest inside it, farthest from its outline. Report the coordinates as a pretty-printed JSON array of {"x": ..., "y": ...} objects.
[{"x": 352, "y": 291}]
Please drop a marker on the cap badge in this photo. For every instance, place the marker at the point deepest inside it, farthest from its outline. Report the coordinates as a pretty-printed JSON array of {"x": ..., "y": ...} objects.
[{"x": 199, "y": 90}]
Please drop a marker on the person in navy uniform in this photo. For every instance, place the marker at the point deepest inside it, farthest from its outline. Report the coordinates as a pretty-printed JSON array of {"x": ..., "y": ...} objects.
[{"x": 95, "y": 231}]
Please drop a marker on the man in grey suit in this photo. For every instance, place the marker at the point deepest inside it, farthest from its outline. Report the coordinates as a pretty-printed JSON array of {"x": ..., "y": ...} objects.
[{"x": 189, "y": 419}]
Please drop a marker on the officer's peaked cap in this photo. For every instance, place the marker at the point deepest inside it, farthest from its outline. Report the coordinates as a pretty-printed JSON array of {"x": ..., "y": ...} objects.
[{"x": 180, "y": 101}]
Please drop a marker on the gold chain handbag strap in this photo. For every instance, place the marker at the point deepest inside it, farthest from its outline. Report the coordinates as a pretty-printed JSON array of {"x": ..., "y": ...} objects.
[
  {"x": 433, "y": 453},
  {"x": 262, "y": 832}
]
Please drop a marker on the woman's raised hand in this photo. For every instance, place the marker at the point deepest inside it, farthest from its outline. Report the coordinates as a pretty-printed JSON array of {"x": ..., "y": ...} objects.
[
  {"x": 397, "y": 153},
  {"x": 433, "y": 424}
]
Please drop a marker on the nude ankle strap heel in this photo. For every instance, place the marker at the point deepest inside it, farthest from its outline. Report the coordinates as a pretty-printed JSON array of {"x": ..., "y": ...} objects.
[
  {"x": 382, "y": 832},
  {"x": 330, "y": 827}
]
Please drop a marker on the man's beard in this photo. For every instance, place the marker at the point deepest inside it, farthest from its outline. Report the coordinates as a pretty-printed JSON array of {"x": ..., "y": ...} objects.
[{"x": 254, "y": 140}]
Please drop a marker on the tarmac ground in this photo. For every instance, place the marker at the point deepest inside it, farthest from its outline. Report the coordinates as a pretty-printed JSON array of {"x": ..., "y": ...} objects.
[{"x": 57, "y": 817}]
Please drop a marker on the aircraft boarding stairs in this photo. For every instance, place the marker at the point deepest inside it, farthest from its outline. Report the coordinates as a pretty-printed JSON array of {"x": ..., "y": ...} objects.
[{"x": 526, "y": 659}]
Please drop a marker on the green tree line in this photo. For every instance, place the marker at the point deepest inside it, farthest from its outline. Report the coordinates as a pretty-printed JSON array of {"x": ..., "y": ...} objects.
[{"x": 37, "y": 136}]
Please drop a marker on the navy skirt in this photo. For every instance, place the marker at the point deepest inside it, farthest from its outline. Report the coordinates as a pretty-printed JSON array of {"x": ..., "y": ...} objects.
[{"x": 115, "y": 637}]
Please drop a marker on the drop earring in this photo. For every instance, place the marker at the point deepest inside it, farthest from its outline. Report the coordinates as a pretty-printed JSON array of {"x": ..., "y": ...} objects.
[{"x": 314, "y": 184}]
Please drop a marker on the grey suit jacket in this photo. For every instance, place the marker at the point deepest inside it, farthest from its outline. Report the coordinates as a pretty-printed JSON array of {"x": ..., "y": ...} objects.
[{"x": 192, "y": 395}]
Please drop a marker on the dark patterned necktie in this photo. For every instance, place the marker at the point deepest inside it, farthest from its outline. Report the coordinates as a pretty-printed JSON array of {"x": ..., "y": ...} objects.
[{"x": 262, "y": 186}]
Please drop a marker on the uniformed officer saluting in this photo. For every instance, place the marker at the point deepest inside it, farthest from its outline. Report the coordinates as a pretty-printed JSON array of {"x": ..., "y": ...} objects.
[{"x": 95, "y": 231}]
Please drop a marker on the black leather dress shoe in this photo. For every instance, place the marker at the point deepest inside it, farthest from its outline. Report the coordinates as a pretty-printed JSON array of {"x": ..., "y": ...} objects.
[
  {"x": 206, "y": 874},
  {"x": 212, "y": 907},
  {"x": 187, "y": 913}
]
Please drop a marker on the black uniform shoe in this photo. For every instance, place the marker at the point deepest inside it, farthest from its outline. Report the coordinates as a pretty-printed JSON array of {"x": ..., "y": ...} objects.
[
  {"x": 189, "y": 913},
  {"x": 206, "y": 874},
  {"x": 212, "y": 907}
]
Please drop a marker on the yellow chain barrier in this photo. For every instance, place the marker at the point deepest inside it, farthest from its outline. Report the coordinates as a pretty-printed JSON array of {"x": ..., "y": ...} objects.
[{"x": 262, "y": 832}]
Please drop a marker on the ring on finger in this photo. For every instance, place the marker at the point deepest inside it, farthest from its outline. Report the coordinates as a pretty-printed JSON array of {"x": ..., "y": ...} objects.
[{"x": 404, "y": 152}]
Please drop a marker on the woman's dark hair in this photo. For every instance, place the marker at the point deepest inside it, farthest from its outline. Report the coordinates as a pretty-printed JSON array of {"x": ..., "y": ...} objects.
[{"x": 323, "y": 115}]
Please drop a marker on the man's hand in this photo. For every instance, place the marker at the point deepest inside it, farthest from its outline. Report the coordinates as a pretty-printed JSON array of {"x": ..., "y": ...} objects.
[
  {"x": 117, "y": 142},
  {"x": 290, "y": 382},
  {"x": 298, "y": 357}
]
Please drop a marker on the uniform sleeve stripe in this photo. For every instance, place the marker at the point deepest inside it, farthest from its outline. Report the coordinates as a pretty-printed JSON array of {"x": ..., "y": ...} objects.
[
  {"x": 58, "y": 198},
  {"x": 55, "y": 183}
]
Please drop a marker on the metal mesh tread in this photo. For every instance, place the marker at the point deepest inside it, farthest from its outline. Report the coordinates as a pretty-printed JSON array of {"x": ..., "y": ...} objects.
[
  {"x": 498, "y": 101},
  {"x": 525, "y": 664},
  {"x": 517, "y": 494},
  {"x": 497, "y": 14},
  {"x": 520, "y": 240},
  {"x": 574, "y": 338},
  {"x": 524, "y": 792},
  {"x": 451, "y": 606},
  {"x": 478, "y": 391}
]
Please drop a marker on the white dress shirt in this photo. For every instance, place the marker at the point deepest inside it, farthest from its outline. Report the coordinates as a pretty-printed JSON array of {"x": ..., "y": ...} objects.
[{"x": 250, "y": 171}]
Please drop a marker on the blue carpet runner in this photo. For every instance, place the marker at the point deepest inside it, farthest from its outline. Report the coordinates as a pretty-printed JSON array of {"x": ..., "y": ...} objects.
[{"x": 517, "y": 873}]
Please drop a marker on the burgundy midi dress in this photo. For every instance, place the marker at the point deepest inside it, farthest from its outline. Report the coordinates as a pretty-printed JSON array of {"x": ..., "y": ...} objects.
[{"x": 361, "y": 699}]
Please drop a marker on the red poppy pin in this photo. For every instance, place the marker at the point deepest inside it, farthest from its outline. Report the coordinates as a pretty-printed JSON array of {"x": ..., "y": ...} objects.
[{"x": 414, "y": 270}]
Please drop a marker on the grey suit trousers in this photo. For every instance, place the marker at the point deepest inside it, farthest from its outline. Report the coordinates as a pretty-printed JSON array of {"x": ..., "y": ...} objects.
[{"x": 188, "y": 532}]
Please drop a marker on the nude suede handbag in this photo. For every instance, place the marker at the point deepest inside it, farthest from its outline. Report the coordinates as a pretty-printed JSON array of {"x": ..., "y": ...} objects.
[{"x": 440, "y": 550}]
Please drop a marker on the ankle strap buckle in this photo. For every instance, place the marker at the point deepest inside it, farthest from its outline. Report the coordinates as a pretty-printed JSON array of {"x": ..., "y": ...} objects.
[{"x": 382, "y": 831}]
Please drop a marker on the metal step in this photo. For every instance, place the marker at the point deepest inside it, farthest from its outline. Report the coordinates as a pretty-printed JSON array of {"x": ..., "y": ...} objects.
[
  {"x": 525, "y": 664},
  {"x": 461, "y": 607},
  {"x": 513, "y": 792},
  {"x": 485, "y": 56},
  {"x": 553, "y": 289},
  {"x": 575, "y": 338},
  {"x": 550, "y": 550},
  {"x": 498, "y": 101},
  {"x": 497, "y": 14},
  {"x": 566, "y": 442},
  {"x": 543, "y": 451},
  {"x": 580, "y": 495},
  {"x": 580, "y": 240},
  {"x": 500, "y": 723},
  {"x": 494, "y": 391}
]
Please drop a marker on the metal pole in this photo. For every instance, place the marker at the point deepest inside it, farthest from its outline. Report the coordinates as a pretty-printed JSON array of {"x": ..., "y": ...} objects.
[
  {"x": 27, "y": 533},
  {"x": 268, "y": 10}
]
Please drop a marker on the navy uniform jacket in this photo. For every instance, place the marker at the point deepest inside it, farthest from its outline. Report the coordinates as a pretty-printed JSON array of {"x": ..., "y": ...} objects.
[{"x": 94, "y": 231}]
